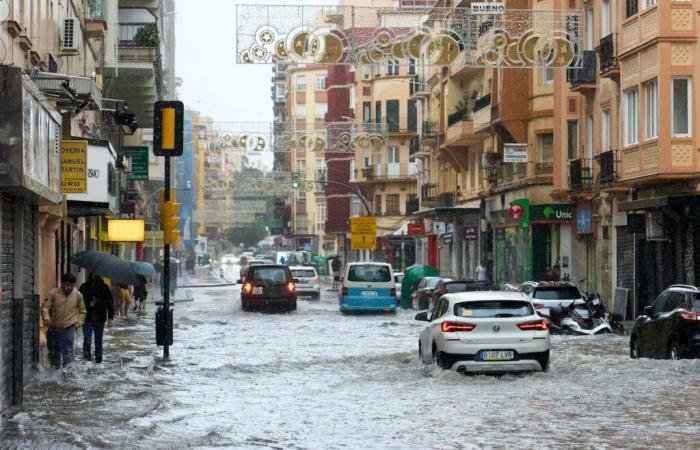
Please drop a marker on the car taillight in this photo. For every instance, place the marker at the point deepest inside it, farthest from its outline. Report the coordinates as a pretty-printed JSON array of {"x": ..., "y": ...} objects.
[
  {"x": 344, "y": 291},
  {"x": 451, "y": 327},
  {"x": 538, "y": 305},
  {"x": 691, "y": 318},
  {"x": 537, "y": 325},
  {"x": 393, "y": 292},
  {"x": 248, "y": 288},
  {"x": 290, "y": 286}
]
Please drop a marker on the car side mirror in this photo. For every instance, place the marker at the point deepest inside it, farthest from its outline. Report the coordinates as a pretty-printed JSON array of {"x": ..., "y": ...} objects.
[
  {"x": 423, "y": 316},
  {"x": 647, "y": 311}
]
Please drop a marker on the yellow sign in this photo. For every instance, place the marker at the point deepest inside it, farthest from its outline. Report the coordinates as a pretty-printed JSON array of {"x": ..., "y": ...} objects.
[
  {"x": 364, "y": 233},
  {"x": 125, "y": 230},
  {"x": 153, "y": 239},
  {"x": 74, "y": 167}
]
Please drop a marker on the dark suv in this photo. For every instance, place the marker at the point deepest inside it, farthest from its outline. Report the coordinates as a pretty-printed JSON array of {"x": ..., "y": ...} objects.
[
  {"x": 670, "y": 327},
  {"x": 268, "y": 285}
]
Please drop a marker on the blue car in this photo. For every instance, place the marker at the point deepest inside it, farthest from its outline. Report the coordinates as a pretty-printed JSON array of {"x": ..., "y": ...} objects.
[{"x": 368, "y": 286}]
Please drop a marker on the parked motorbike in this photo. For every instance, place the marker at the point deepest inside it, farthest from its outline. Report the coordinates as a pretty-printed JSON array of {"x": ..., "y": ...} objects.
[
  {"x": 598, "y": 310},
  {"x": 582, "y": 317}
]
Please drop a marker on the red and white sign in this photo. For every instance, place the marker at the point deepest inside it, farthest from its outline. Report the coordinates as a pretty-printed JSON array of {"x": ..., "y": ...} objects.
[
  {"x": 516, "y": 212},
  {"x": 416, "y": 229}
]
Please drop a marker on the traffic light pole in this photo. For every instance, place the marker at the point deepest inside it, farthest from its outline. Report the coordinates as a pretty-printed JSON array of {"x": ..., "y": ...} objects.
[{"x": 166, "y": 267}]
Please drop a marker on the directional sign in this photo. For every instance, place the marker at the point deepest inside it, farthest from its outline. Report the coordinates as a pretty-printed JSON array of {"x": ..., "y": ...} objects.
[{"x": 364, "y": 233}]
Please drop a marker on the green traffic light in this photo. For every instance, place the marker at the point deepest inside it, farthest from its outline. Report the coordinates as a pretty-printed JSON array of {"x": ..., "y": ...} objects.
[{"x": 295, "y": 184}]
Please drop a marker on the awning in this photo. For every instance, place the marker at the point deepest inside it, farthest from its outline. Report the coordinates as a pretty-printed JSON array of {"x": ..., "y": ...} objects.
[
  {"x": 660, "y": 202},
  {"x": 69, "y": 90},
  {"x": 445, "y": 212}
]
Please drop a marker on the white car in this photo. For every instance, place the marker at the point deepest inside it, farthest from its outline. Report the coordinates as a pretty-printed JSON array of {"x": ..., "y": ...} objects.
[
  {"x": 309, "y": 281},
  {"x": 229, "y": 259},
  {"x": 547, "y": 294},
  {"x": 398, "y": 278},
  {"x": 485, "y": 332}
]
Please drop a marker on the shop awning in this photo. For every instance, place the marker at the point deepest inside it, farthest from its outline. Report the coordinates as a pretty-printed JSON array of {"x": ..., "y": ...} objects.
[
  {"x": 660, "y": 202},
  {"x": 69, "y": 90}
]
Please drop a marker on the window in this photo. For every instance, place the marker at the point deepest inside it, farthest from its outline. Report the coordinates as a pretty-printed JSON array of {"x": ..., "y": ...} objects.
[
  {"x": 369, "y": 273},
  {"x": 589, "y": 29},
  {"x": 378, "y": 205},
  {"x": 300, "y": 112},
  {"x": 392, "y": 204},
  {"x": 378, "y": 112},
  {"x": 556, "y": 293},
  {"x": 366, "y": 112},
  {"x": 273, "y": 275},
  {"x": 392, "y": 67},
  {"x": 378, "y": 70},
  {"x": 320, "y": 82},
  {"x": 546, "y": 142},
  {"x": 411, "y": 66},
  {"x": 366, "y": 71},
  {"x": 681, "y": 106},
  {"x": 548, "y": 75},
  {"x": 651, "y": 123},
  {"x": 589, "y": 138},
  {"x": 301, "y": 83},
  {"x": 301, "y": 167},
  {"x": 572, "y": 139},
  {"x": 604, "y": 131},
  {"x": 367, "y": 158},
  {"x": 494, "y": 308},
  {"x": 280, "y": 92},
  {"x": 631, "y": 116},
  {"x": 320, "y": 217},
  {"x": 649, "y": 3},
  {"x": 631, "y": 8},
  {"x": 605, "y": 18},
  {"x": 321, "y": 110},
  {"x": 392, "y": 154}
]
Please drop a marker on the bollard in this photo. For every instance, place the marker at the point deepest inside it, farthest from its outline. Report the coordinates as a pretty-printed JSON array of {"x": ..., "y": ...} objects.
[{"x": 160, "y": 325}]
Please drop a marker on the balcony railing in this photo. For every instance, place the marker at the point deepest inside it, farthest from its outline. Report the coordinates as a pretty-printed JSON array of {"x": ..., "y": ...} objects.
[
  {"x": 608, "y": 58},
  {"x": 482, "y": 102},
  {"x": 95, "y": 10},
  {"x": 580, "y": 175},
  {"x": 127, "y": 33},
  {"x": 430, "y": 128},
  {"x": 418, "y": 85},
  {"x": 458, "y": 116},
  {"x": 391, "y": 171},
  {"x": 412, "y": 205},
  {"x": 400, "y": 124},
  {"x": 609, "y": 171},
  {"x": 586, "y": 73}
]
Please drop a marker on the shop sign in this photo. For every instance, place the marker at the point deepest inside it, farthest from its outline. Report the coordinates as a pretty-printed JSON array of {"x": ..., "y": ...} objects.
[
  {"x": 101, "y": 178},
  {"x": 487, "y": 8},
  {"x": 447, "y": 238},
  {"x": 416, "y": 229},
  {"x": 74, "y": 167},
  {"x": 125, "y": 230},
  {"x": 519, "y": 212},
  {"x": 515, "y": 153},
  {"x": 139, "y": 163},
  {"x": 438, "y": 227},
  {"x": 471, "y": 232},
  {"x": 583, "y": 221},
  {"x": 552, "y": 213},
  {"x": 500, "y": 234}
]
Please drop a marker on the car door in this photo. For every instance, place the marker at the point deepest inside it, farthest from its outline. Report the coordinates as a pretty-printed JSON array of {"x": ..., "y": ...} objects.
[
  {"x": 426, "y": 337},
  {"x": 665, "y": 324},
  {"x": 650, "y": 342},
  {"x": 433, "y": 329}
]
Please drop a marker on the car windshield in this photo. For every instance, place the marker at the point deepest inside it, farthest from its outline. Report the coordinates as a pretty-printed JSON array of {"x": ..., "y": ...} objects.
[
  {"x": 273, "y": 275},
  {"x": 369, "y": 273},
  {"x": 303, "y": 273},
  {"x": 430, "y": 283},
  {"x": 556, "y": 293},
  {"x": 493, "y": 309}
]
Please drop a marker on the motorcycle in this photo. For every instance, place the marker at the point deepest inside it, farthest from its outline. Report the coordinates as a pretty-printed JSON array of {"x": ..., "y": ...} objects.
[
  {"x": 598, "y": 310},
  {"x": 583, "y": 317}
]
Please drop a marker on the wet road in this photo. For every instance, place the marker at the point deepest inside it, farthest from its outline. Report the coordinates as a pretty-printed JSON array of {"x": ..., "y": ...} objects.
[{"x": 317, "y": 379}]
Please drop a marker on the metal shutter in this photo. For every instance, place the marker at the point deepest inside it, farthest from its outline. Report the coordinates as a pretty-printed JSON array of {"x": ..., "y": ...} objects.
[
  {"x": 6, "y": 274},
  {"x": 30, "y": 333}
]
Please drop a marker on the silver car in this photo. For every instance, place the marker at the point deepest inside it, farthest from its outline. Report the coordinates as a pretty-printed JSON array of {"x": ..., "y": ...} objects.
[{"x": 309, "y": 281}]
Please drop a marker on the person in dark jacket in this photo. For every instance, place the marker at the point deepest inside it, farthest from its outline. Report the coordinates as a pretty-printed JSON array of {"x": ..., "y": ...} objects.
[
  {"x": 100, "y": 309},
  {"x": 140, "y": 294}
]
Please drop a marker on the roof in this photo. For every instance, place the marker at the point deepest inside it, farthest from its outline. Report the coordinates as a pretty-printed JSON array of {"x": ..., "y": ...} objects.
[
  {"x": 301, "y": 268},
  {"x": 485, "y": 296},
  {"x": 368, "y": 263},
  {"x": 683, "y": 288}
]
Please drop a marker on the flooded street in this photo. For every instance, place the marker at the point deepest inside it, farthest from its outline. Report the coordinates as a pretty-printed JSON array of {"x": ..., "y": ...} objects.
[{"x": 317, "y": 379}]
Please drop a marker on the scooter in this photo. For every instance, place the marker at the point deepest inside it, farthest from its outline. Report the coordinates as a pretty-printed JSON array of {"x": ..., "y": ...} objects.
[
  {"x": 598, "y": 310},
  {"x": 584, "y": 318}
]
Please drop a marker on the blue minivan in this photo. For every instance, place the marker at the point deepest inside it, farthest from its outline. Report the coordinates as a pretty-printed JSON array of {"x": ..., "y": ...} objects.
[{"x": 368, "y": 286}]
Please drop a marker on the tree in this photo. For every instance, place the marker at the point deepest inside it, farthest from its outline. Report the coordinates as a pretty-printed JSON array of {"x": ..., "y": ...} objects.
[{"x": 249, "y": 235}]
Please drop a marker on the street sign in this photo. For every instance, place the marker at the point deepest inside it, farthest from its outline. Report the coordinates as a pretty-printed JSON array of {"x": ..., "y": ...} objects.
[
  {"x": 139, "y": 162},
  {"x": 74, "y": 167},
  {"x": 364, "y": 233},
  {"x": 515, "y": 153}
]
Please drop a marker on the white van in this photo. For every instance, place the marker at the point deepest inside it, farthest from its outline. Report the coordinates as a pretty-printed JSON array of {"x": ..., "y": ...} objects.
[{"x": 368, "y": 286}]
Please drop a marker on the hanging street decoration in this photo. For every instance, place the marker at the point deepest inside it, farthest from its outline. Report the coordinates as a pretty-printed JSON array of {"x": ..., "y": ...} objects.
[{"x": 438, "y": 36}]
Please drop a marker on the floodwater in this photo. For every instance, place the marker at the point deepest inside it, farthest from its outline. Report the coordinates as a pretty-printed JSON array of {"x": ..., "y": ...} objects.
[{"x": 315, "y": 379}]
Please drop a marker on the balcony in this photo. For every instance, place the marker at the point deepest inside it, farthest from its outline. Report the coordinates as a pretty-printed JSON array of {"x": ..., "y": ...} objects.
[
  {"x": 400, "y": 125},
  {"x": 413, "y": 147},
  {"x": 95, "y": 20},
  {"x": 429, "y": 195},
  {"x": 609, "y": 65},
  {"x": 481, "y": 116},
  {"x": 386, "y": 173},
  {"x": 580, "y": 176},
  {"x": 418, "y": 87},
  {"x": 609, "y": 171},
  {"x": 446, "y": 200},
  {"x": 584, "y": 78},
  {"x": 412, "y": 206},
  {"x": 134, "y": 48}
]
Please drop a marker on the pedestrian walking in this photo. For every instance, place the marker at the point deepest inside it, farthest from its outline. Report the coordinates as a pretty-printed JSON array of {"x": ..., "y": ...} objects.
[
  {"x": 124, "y": 300},
  {"x": 63, "y": 312},
  {"x": 100, "y": 309},
  {"x": 140, "y": 294},
  {"x": 481, "y": 272}
]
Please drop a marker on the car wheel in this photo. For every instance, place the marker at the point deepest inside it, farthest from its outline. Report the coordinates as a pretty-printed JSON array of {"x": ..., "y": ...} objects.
[
  {"x": 244, "y": 305},
  {"x": 634, "y": 347},
  {"x": 420, "y": 353},
  {"x": 439, "y": 359},
  {"x": 673, "y": 351},
  {"x": 544, "y": 362}
]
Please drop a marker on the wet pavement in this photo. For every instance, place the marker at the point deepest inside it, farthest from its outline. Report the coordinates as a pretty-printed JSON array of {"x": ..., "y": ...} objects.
[{"x": 317, "y": 379}]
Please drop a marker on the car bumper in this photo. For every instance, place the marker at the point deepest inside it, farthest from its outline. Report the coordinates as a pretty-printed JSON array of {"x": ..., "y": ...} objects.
[
  {"x": 497, "y": 366},
  {"x": 268, "y": 300},
  {"x": 529, "y": 356},
  {"x": 363, "y": 304},
  {"x": 308, "y": 289}
]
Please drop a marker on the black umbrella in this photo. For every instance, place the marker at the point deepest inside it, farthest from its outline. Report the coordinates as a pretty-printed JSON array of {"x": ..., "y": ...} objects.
[{"x": 106, "y": 265}]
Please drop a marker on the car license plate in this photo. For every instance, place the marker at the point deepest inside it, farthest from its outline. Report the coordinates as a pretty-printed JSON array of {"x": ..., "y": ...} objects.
[
  {"x": 303, "y": 281},
  {"x": 497, "y": 355},
  {"x": 257, "y": 290},
  {"x": 369, "y": 293}
]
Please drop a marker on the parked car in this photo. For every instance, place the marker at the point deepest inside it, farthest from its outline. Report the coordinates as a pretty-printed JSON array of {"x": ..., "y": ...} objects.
[
  {"x": 484, "y": 332},
  {"x": 447, "y": 286},
  {"x": 398, "y": 278},
  {"x": 670, "y": 327},
  {"x": 309, "y": 281},
  {"x": 422, "y": 297},
  {"x": 367, "y": 286},
  {"x": 268, "y": 285},
  {"x": 548, "y": 294}
]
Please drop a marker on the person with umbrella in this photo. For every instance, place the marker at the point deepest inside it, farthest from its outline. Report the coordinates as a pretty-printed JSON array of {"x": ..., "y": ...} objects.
[
  {"x": 100, "y": 309},
  {"x": 140, "y": 294},
  {"x": 63, "y": 312}
]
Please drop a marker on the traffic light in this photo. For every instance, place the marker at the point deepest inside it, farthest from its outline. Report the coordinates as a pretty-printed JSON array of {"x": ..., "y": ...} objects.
[
  {"x": 169, "y": 219},
  {"x": 168, "y": 120},
  {"x": 295, "y": 180}
]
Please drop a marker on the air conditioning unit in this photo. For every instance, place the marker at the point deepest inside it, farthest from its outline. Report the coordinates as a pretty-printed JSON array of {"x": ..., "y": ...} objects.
[
  {"x": 70, "y": 35},
  {"x": 655, "y": 226}
]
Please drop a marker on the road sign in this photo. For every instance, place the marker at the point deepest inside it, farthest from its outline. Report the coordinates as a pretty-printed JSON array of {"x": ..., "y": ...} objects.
[
  {"x": 364, "y": 233},
  {"x": 139, "y": 162}
]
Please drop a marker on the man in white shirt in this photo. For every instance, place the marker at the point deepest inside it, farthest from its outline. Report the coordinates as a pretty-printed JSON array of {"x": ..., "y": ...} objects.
[{"x": 481, "y": 272}]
